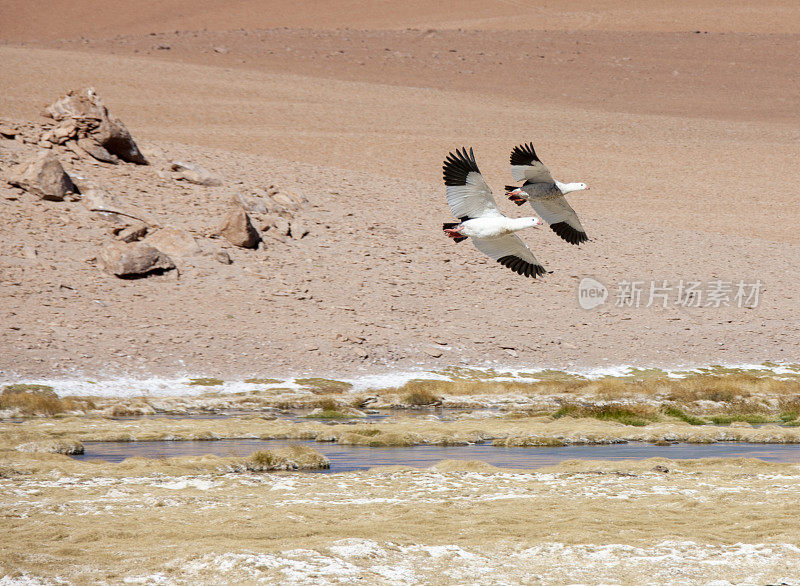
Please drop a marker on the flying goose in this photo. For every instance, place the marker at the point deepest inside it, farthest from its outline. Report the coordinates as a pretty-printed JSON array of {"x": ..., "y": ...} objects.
[
  {"x": 471, "y": 201},
  {"x": 545, "y": 194}
]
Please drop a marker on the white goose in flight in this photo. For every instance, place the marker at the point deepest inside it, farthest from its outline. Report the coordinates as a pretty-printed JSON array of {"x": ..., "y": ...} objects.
[
  {"x": 492, "y": 233},
  {"x": 545, "y": 194}
]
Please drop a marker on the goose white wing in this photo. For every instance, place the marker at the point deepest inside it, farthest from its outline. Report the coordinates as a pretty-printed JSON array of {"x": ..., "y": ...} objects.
[
  {"x": 510, "y": 252},
  {"x": 467, "y": 193},
  {"x": 562, "y": 218},
  {"x": 526, "y": 166}
]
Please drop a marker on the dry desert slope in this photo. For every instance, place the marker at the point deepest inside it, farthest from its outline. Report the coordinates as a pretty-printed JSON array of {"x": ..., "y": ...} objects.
[
  {"x": 688, "y": 141},
  {"x": 26, "y": 20}
]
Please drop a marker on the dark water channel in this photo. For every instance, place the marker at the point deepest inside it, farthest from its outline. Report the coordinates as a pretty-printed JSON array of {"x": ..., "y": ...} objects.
[{"x": 345, "y": 458}]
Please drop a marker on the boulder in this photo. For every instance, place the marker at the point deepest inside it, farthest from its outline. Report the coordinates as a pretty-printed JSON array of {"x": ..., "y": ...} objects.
[
  {"x": 97, "y": 151},
  {"x": 239, "y": 230},
  {"x": 131, "y": 232},
  {"x": 7, "y": 131},
  {"x": 44, "y": 176},
  {"x": 92, "y": 120},
  {"x": 285, "y": 200},
  {"x": 174, "y": 242},
  {"x": 276, "y": 227},
  {"x": 196, "y": 174},
  {"x": 97, "y": 199},
  {"x": 298, "y": 229},
  {"x": 134, "y": 259},
  {"x": 250, "y": 203},
  {"x": 222, "y": 257}
]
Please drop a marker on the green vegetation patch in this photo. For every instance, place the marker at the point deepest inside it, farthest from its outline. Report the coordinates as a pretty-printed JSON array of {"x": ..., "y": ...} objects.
[
  {"x": 42, "y": 390},
  {"x": 626, "y": 414},
  {"x": 673, "y": 411},
  {"x": 751, "y": 418}
]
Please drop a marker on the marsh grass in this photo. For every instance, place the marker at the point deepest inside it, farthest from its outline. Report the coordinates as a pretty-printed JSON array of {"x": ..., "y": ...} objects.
[
  {"x": 205, "y": 382},
  {"x": 529, "y": 441},
  {"x": 751, "y": 418},
  {"x": 262, "y": 381},
  {"x": 292, "y": 458},
  {"x": 376, "y": 438},
  {"x": 673, "y": 411},
  {"x": 28, "y": 388},
  {"x": 40, "y": 400},
  {"x": 329, "y": 409},
  {"x": 718, "y": 388},
  {"x": 552, "y": 375},
  {"x": 470, "y": 374},
  {"x": 324, "y": 385},
  {"x": 789, "y": 408},
  {"x": 419, "y": 396},
  {"x": 637, "y": 415},
  {"x": 748, "y": 411},
  {"x": 731, "y": 387},
  {"x": 438, "y": 387},
  {"x": 329, "y": 414}
]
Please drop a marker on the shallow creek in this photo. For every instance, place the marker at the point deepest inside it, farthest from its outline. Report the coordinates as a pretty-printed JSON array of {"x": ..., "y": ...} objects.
[{"x": 345, "y": 458}]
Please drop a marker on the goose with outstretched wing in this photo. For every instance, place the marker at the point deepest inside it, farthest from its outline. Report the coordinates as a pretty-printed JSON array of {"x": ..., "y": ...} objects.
[
  {"x": 492, "y": 233},
  {"x": 545, "y": 194}
]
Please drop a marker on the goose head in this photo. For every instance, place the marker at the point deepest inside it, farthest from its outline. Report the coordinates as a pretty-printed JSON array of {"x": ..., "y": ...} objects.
[{"x": 570, "y": 187}]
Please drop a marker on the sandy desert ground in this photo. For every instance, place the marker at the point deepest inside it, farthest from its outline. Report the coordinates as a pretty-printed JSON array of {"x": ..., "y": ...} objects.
[{"x": 684, "y": 119}]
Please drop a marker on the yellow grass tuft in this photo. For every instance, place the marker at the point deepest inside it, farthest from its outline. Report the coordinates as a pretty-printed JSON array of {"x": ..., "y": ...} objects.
[
  {"x": 421, "y": 398},
  {"x": 324, "y": 385},
  {"x": 262, "y": 381},
  {"x": 292, "y": 458},
  {"x": 39, "y": 400},
  {"x": 206, "y": 382}
]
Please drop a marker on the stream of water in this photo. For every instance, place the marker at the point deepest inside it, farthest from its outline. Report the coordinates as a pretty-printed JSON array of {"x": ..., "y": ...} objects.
[{"x": 345, "y": 458}]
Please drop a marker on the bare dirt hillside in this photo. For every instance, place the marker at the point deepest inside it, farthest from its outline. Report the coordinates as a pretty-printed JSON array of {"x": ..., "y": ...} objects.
[
  {"x": 25, "y": 20},
  {"x": 688, "y": 141}
]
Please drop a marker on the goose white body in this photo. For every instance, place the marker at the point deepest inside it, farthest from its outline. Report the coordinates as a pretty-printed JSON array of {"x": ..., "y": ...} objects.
[
  {"x": 545, "y": 194},
  {"x": 493, "y": 227},
  {"x": 471, "y": 201}
]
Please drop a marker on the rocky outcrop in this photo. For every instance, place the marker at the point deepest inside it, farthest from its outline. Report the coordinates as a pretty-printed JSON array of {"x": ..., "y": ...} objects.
[
  {"x": 44, "y": 176},
  {"x": 136, "y": 259},
  {"x": 239, "y": 230},
  {"x": 83, "y": 117}
]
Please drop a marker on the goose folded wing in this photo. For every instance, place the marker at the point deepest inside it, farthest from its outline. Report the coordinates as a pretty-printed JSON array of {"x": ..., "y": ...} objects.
[
  {"x": 526, "y": 166},
  {"x": 510, "y": 252},
  {"x": 467, "y": 193},
  {"x": 562, "y": 218}
]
